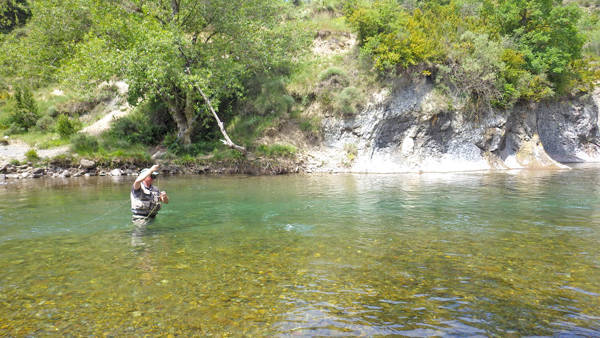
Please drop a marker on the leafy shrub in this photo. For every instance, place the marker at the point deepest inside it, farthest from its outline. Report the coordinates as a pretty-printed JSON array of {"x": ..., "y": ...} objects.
[
  {"x": 474, "y": 70},
  {"x": 549, "y": 38},
  {"x": 82, "y": 143},
  {"x": 348, "y": 101},
  {"x": 326, "y": 99},
  {"x": 135, "y": 128},
  {"x": 273, "y": 98},
  {"x": 26, "y": 111},
  {"x": 15, "y": 13},
  {"x": 45, "y": 124},
  {"x": 31, "y": 155},
  {"x": 227, "y": 154},
  {"x": 329, "y": 6},
  {"x": 65, "y": 127},
  {"x": 13, "y": 129},
  {"x": 177, "y": 148},
  {"x": 394, "y": 37},
  {"x": 146, "y": 125},
  {"x": 351, "y": 152},
  {"x": 52, "y": 112},
  {"x": 186, "y": 160}
]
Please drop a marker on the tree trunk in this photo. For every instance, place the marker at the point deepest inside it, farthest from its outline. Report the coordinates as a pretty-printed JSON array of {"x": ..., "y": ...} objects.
[{"x": 183, "y": 127}]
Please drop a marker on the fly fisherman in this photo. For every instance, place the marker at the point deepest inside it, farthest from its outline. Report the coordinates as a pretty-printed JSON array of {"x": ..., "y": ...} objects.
[{"x": 145, "y": 198}]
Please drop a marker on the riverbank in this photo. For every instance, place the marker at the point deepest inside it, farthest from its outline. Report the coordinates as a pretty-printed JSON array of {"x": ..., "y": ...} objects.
[{"x": 65, "y": 168}]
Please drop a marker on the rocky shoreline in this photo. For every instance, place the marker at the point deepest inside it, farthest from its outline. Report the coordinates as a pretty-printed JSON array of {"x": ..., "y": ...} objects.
[{"x": 87, "y": 168}]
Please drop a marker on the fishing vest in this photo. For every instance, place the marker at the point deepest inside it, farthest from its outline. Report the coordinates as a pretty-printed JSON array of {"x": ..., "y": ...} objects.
[{"x": 145, "y": 201}]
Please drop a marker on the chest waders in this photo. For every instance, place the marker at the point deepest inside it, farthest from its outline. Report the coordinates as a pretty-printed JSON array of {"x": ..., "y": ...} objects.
[{"x": 145, "y": 203}]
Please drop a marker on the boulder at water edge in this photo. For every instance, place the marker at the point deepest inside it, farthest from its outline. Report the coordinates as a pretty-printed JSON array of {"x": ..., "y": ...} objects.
[
  {"x": 116, "y": 172},
  {"x": 87, "y": 164}
]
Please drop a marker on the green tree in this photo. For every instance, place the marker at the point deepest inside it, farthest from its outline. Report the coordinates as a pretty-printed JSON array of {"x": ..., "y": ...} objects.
[
  {"x": 545, "y": 32},
  {"x": 196, "y": 51},
  {"x": 188, "y": 53},
  {"x": 36, "y": 52}
]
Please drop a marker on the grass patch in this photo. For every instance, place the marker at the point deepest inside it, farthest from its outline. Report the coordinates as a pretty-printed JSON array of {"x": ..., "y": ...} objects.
[
  {"x": 32, "y": 156},
  {"x": 276, "y": 150},
  {"x": 186, "y": 160},
  {"x": 349, "y": 101},
  {"x": 247, "y": 129},
  {"x": 310, "y": 125},
  {"x": 50, "y": 98},
  {"x": 226, "y": 155},
  {"x": 324, "y": 22},
  {"x": 121, "y": 156},
  {"x": 42, "y": 140},
  {"x": 331, "y": 72}
]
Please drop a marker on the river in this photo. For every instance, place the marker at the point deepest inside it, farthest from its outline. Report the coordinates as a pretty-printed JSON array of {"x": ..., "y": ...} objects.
[{"x": 508, "y": 254}]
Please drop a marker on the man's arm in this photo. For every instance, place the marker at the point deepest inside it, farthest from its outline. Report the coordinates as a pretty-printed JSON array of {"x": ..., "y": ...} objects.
[{"x": 138, "y": 181}]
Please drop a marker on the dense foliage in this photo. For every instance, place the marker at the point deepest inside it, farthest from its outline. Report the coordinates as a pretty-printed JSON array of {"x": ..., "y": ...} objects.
[
  {"x": 243, "y": 55},
  {"x": 492, "y": 52},
  {"x": 168, "y": 50}
]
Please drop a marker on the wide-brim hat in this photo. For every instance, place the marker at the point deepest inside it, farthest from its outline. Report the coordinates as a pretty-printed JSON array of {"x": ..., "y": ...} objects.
[{"x": 153, "y": 174}]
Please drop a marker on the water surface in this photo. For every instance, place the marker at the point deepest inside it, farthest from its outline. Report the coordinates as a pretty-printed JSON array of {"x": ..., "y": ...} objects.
[{"x": 416, "y": 255}]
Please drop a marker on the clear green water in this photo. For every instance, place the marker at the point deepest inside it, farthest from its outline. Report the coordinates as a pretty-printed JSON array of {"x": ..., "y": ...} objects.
[{"x": 448, "y": 254}]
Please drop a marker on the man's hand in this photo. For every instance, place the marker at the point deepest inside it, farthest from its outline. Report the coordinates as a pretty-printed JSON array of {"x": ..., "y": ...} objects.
[{"x": 163, "y": 197}]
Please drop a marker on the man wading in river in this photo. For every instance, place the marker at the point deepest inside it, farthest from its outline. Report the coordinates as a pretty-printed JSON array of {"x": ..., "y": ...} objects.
[{"x": 145, "y": 198}]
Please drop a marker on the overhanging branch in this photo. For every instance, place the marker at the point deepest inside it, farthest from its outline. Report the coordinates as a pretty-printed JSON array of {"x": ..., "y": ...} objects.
[{"x": 227, "y": 141}]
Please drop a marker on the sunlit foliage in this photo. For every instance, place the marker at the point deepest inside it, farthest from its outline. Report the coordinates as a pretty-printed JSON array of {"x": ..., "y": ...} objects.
[{"x": 492, "y": 52}]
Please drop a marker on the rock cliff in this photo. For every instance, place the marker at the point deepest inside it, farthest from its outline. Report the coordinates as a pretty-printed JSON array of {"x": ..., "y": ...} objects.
[{"x": 409, "y": 129}]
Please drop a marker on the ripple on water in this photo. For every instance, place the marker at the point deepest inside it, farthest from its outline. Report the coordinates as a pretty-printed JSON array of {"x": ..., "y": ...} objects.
[{"x": 410, "y": 255}]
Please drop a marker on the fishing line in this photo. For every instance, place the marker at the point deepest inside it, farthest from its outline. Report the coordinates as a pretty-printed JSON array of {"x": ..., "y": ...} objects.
[
  {"x": 110, "y": 211},
  {"x": 101, "y": 216},
  {"x": 113, "y": 210}
]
